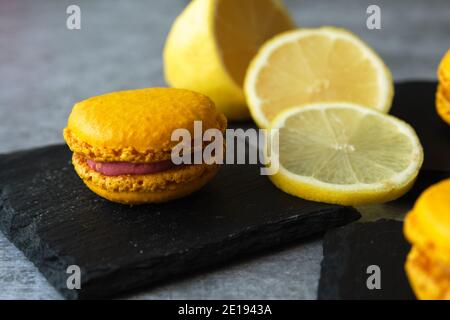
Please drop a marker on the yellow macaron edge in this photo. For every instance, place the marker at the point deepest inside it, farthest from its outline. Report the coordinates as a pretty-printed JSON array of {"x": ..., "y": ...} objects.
[
  {"x": 428, "y": 278},
  {"x": 155, "y": 182},
  {"x": 427, "y": 226},
  {"x": 444, "y": 70},
  {"x": 142, "y": 197},
  {"x": 105, "y": 154},
  {"x": 443, "y": 104}
]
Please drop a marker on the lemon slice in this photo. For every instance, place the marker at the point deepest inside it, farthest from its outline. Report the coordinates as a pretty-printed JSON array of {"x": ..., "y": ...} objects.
[
  {"x": 345, "y": 154},
  {"x": 212, "y": 42},
  {"x": 312, "y": 66}
]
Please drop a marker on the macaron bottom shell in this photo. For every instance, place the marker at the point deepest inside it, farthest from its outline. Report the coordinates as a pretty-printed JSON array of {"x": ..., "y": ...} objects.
[
  {"x": 150, "y": 188},
  {"x": 427, "y": 227},
  {"x": 429, "y": 279},
  {"x": 444, "y": 70},
  {"x": 134, "y": 198}
]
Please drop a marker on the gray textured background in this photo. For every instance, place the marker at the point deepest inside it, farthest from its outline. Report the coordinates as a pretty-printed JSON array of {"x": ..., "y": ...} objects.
[{"x": 45, "y": 68}]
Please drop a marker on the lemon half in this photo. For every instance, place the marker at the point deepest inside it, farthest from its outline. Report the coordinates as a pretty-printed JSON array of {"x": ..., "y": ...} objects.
[
  {"x": 307, "y": 66},
  {"x": 212, "y": 42},
  {"x": 345, "y": 154}
]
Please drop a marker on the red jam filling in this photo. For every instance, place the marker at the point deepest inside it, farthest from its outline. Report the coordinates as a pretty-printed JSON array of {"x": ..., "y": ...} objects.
[{"x": 124, "y": 168}]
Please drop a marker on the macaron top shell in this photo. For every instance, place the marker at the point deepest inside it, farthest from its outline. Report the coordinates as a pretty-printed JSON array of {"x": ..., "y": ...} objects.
[
  {"x": 137, "y": 125},
  {"x": 444, "y": 69},
  {"x": 428, "y": 224},
  {"x": 442, "y": 93}
]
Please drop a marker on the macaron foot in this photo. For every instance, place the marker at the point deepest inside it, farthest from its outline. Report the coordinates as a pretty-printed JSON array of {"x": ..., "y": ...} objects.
[
  {"x": 145, "y": 188},
  {"x": 429, "y": 279},
  {"x": 135, "y": 198}
]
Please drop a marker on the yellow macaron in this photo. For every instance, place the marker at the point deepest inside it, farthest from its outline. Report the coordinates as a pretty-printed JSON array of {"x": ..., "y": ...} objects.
[
  {"x": 122, "y": 143},
  {"x": 443, "y": 92},
  {"x": 444, "y": 72},
  {"x": 427, "y": 227},
  {"x": 443, "y": 104}
]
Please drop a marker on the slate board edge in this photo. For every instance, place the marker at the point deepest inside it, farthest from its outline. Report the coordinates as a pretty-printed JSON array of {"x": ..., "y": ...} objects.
[
  {"x": 47, "y": 262},
  {"x": 329, "y": 241},
  {"x": 240, "y": 244},
  {"x": 248, "y": 241},
  {"x": 323, "y": 294}
]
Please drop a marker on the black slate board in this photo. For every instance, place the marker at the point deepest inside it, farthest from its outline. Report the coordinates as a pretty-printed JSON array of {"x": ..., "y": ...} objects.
[
  {"x": 349, "y": 250},
  {"x": 47, "y": 212}
]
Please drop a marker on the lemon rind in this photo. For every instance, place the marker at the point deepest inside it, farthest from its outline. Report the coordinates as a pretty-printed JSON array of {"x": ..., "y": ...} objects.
[
  {"x": 227, "y": 95},
  {"x": 209, "y": 75}
]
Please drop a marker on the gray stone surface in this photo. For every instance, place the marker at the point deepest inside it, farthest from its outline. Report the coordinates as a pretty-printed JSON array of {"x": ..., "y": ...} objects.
[{"x": 45, "y": 68}]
